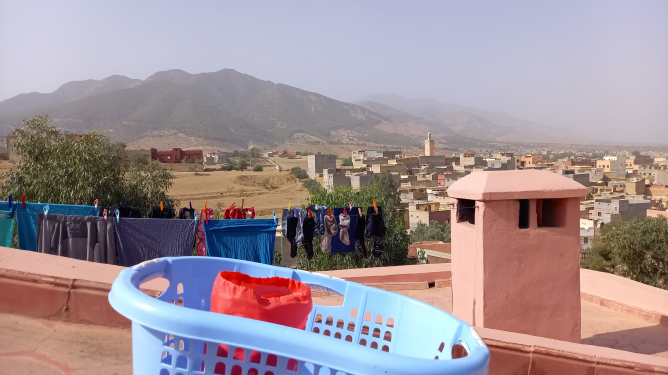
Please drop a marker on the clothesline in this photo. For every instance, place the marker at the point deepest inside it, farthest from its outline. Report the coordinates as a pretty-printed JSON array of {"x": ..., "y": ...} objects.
[
  {"x": 79, "y": 232},
  {"x": 300, "y": 227}
]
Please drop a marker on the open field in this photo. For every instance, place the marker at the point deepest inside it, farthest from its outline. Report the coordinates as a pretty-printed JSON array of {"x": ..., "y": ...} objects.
[{"x": 267, "y": 191}]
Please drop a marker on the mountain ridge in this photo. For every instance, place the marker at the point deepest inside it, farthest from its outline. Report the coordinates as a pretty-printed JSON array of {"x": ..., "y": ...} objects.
[{"x": 236, "y": 108}]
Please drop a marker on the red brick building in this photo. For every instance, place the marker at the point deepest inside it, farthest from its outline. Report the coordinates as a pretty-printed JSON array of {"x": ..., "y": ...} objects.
[{"x": 176, "y": 155}]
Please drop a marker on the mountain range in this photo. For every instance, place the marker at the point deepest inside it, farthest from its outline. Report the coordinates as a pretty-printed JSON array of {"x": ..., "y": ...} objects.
[{"x": 239, "y": 109}]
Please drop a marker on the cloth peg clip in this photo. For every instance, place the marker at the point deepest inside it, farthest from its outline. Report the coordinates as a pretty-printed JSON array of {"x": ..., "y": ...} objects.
[
  {"x": 23, "y": 201},
  {"x": 118, "y": 215},
  {"x": 46, "y": 210},
  {"x": 10, "y": 200},
  {"x": 104, "y": 213},
  {"x": 350, "y": 204},
  {"x": 275, "y": 219},
  {"x": 96, "y": 201}
]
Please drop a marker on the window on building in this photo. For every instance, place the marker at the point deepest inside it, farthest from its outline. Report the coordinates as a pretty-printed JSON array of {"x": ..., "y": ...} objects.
[
  {"x": 169, "y": 157},
  {"x": 524, "y": 214},
  {"x": 466, "y": 211},
  {"x": 196, "y": 156},
  {"x": 551, "y": 212},
  {"x": 586, "y": 240}
]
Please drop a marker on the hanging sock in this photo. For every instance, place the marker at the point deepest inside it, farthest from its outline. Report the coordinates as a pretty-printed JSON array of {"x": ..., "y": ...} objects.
[
  {"x": 330, "y": 230},
  {"x": 360, "y": 243},
  {"x": 376, "y": 225},
  {"x": 307, "y": 241},
  {"x": 344, "y": 224},
  {"x": 291, "y": 234},
  {"x": 300, "y": 215}
]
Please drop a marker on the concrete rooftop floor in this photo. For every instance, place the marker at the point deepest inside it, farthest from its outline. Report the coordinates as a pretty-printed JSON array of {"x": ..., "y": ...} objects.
[{"x": 35, "y": 346}]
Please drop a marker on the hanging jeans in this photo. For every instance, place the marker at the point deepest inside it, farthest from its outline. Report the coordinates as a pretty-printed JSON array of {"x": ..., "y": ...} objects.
[
  {"x": 80, "y": 237},
  {"x": 26, "y": 219},
  {"x": 250, "y": 239},
  {"x": 139, "y": 240}
]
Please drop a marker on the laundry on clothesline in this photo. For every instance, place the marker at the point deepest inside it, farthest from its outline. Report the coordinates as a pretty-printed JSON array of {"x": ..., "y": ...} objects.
[{"x": 88, "y": 238}]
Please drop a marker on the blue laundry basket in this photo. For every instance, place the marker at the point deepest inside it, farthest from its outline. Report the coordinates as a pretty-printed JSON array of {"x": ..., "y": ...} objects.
[{"x": 373, "y": 332}]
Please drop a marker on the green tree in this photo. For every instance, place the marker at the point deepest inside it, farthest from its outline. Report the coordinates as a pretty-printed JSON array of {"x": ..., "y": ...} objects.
[
  {"x": 396, "y": 240},
  {"x": 254, "y": 152},
  {"x": 299, "y": 173},
  {"x": 258, "y": 168},
  {"x": 641, "y": 246},
  {"x": 637, "y": 249},
  {"x": 242, "y": 164},
  {"x": 312, "y": 185},
  {"x": 432, "y": 232},
  {"x": 55, "y": 167},
  {"x": 347, "y": 162}
]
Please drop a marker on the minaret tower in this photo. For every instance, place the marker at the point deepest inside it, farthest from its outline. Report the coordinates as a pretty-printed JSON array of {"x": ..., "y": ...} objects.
[{"x": 429, "y": 146}]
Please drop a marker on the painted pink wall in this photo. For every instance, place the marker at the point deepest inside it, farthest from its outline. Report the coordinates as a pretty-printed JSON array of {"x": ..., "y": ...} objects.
[
  {"x": 531, "y": 276},
  {"x": 518, "y": 280}
]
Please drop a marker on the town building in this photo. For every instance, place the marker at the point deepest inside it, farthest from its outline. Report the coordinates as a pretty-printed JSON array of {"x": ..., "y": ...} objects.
[
  {"x": 425, "y": 213},
  {"x": 635, "y": 186},
  {"x": 317, "y": 163},
  {"x": 468, "y": 159},
  {"x": 614, "y": 165},
  {"x": 586, "y": 235},
  {"x": 177, "y": 155},
  {"x": 608, "y": 210},
  {"x": 582, "y": 178}
]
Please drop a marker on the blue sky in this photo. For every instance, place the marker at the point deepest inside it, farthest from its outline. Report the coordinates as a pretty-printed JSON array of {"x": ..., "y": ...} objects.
[{"x": 596, "y": 67}]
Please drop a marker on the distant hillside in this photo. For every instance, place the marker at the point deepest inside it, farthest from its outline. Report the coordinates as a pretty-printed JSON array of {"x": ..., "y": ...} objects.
[
  {"x": 238, "y": 110},
  {"x": 464, "y": 121},
  {"x": 225, "y": 106},
  {"x": 68, "y": 92}
]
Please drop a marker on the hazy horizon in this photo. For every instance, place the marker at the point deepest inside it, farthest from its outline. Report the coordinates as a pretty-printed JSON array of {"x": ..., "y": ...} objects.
[{"x": 599, "y": 68}]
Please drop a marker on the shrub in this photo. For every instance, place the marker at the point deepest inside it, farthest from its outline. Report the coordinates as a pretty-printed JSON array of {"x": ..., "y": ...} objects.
[
  {"x": 347, "y": 162},
  {"x": 230, "y": 166},
  {"x": 258, "y": 168},
  {"x": 432, "y": 232},
  {"x": 299, "y": 173},
  {"x": 242, "y": 165},
  {"x": 312, "y": 185}
]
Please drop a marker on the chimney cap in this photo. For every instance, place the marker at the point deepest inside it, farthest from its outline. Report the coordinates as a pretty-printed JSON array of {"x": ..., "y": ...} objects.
[{"x": 518, "y": 184}]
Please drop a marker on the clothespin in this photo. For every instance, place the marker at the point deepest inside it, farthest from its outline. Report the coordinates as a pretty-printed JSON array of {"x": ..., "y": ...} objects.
[
  {"x": 195, "y": 214},
  {"x": 350, "y": 204},
  {"x": 10, "y": 200},
  {"x": 206, "y": 214},
  {"x": 344, "y": 211},
  {"x": 275, "y": 219},
  {"x": 359, "y": 210},
  {"x": 375, "y": 206},
  {"x": 329, "y": 212},
  {"x": 242, "y": 204},
  {"x": 310, "y": 214},
  {"x": 104, "y": 213},
  {"x": 126, "y": 203},
  {"x": 162, "y": 207},
  {"x": 46, "y": 210},
  {"x": 289, "y": 206},
  {"x": 191, "y": 205},
  {"x": 23, "y": 201},
  {"x": 118, "y": 215},
  {"x": 96, "y": 204}
]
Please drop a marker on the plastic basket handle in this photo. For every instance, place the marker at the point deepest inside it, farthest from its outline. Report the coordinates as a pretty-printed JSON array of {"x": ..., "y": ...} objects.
[{"x": 471, "y": 340}]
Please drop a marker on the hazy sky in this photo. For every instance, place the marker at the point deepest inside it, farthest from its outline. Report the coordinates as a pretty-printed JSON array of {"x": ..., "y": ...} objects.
[{"x": 597, "y": 67}]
